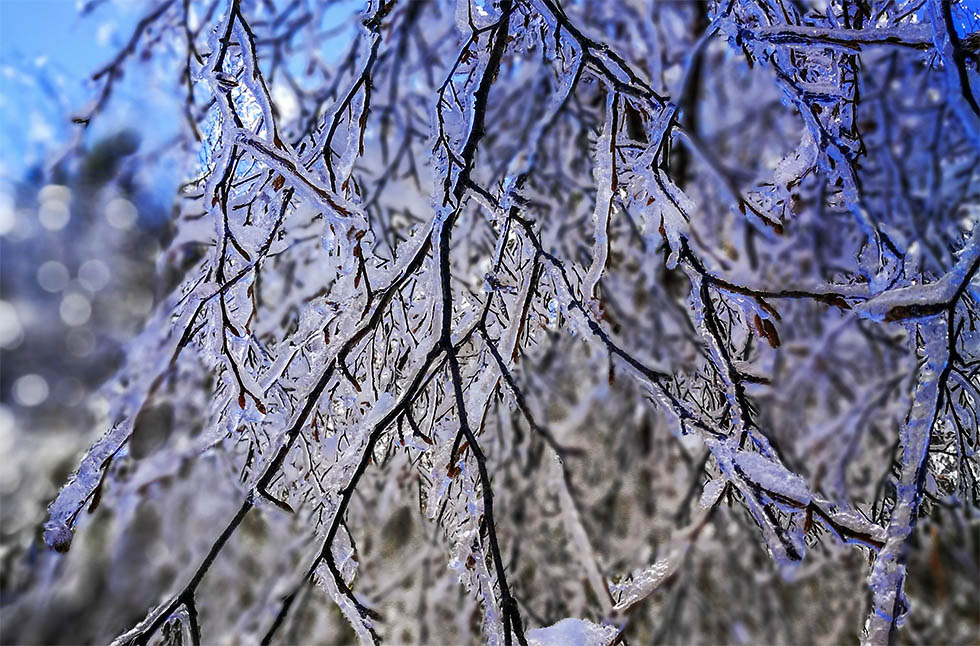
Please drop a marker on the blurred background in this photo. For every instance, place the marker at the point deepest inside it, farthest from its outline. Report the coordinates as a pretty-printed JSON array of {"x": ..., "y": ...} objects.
[{"x": 81, "y": 227}]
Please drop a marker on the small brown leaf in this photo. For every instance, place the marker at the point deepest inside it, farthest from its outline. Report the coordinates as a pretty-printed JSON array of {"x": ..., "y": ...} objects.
[
  {"x": 281, "y": 504},
  {"x": 768, "y": 308},
  {"x": 241, "y": 400},
  {"x": 771, "y": 335},
  {"x": 278, "y": 182},
  {"x": 767, "y": 330}
]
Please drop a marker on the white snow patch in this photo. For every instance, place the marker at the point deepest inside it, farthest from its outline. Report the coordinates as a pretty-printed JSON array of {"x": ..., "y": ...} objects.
[{"x": 572, "y": 632}]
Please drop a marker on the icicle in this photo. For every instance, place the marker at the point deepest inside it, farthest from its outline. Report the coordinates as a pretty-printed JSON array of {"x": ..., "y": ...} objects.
[{"x": 605, "y": 179}]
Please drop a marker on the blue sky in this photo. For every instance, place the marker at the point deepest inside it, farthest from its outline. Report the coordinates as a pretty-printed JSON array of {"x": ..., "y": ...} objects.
[
  {"x": 33, "y": 28},
  {"x": 45, "y": 51},
  {"x": 47, "y": 55}
]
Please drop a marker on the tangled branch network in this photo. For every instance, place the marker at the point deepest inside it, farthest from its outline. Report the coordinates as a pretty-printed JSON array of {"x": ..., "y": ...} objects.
[{"x": 520, "y": 321}]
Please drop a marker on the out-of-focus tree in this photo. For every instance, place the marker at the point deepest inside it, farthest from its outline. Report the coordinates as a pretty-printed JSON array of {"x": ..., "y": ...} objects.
[
  {"x": 655, "y": 322},
  {"x": 77, "y": 281}
]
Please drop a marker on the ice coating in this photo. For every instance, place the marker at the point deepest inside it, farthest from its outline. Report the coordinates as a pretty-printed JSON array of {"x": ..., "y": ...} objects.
[{"x": 773, "y": 476}]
